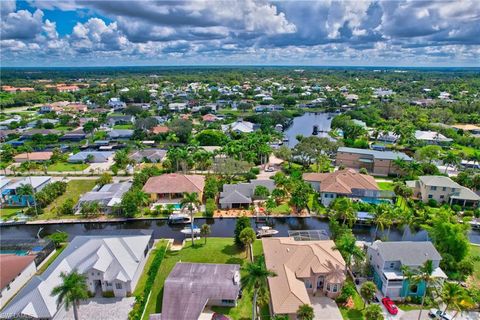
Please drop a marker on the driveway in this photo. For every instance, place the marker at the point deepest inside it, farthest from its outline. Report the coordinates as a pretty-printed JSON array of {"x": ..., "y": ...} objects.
[
  {"x": 100, "y": 309},
  {"x": 325, "y": 308}
]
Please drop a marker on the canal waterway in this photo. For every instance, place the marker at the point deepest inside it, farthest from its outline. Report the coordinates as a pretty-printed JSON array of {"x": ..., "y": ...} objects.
[
  {"x": 304, "y": 125},
  {"x": 219, "y": 228}
]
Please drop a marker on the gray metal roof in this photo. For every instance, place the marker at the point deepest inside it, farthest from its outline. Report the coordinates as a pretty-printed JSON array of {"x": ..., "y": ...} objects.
[
  {"x": 108, "y": 195},
  {"x": 189, "y": 286},
  {"x": 118, "y": 256},
  {"x": 386, "y": 155},
  {"x": 98, "y": 156},
  {"x": 409, "y": 253},
  {"x": 242, "y": 192},
  {"x": 153, "y": 155}
]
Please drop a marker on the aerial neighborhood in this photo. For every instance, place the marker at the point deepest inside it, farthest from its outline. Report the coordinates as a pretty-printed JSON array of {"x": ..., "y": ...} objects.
[{"x": 217, "y": 193}]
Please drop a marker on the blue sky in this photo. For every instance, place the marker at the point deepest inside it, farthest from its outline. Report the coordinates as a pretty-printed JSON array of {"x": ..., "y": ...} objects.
[{"x": 241, "y": 32}]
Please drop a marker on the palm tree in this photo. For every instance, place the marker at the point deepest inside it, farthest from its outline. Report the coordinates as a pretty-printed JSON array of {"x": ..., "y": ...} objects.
[
  {"x": 450, "y": 159},
  {"x": 305, "y": 312},
  {"x": 190, "y": 201},
  {"x": 25, "y": 191},
  {"x": 380, "y": 216},
  {"x": 346, "y": 244},
  {"x": 71, "y": 291},
  {"x": 422, "y": 275},
  {"x": 452, "y": 295},
  {"x": 247, "y": 237},
  {"x": 368, "y": 291},
  {"x": 255, "y": 278},
  {"x": 407, "y": 219},
  {"x": 205, "y": 231},
  {"x": 374, "y": 312},
  {"x": 90, "y": 208}
]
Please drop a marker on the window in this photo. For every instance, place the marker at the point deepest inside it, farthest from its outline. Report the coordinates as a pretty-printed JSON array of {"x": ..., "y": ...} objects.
[
  {"x": 308, "y": 284},
  {"x": 392, "y": 265},
  {"x": 442, "y": 196},
  {"x": 433, "y": 188},
  {"x": 98, "y": 273},
  {"x": 444, "y": 189},
  {"x": 413, "y": 288},
  {"x": 93, "y": 273},
  {"x": 118, "y": 285},
  {"x": 328, "y": 286},
  {"x": 228, "y": 301},
  {"x": 430, "y": 196},
  {"x": 8, "y": 286},
  {"x": 335, "y": 287}
]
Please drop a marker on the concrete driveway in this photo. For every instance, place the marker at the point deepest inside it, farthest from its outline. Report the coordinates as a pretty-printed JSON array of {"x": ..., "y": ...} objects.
[
  {"x": 100, "y": 309},
  {"x": 325, "y": 308}
]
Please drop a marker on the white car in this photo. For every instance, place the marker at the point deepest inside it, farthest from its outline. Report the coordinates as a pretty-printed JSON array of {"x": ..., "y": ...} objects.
[{"x": 438, "y": 314}]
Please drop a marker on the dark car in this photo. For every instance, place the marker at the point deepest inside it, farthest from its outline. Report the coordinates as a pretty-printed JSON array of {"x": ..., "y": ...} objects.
[
  {"x": 218, "y": 316},
  {"x": 390, "y": 305}
]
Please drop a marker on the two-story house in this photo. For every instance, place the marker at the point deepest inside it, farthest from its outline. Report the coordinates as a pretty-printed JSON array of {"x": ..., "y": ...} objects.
[
  {"x": 443, "y": 190},
  {"x": 388, "y": 258}
]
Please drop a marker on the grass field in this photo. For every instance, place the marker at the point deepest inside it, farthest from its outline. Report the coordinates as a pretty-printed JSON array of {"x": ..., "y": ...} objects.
[
  {"x": 385, "y": 186},
  {"x": 217, "y": 250},
  {"x": 52, "y": 258},
  {"x": 475, "y": 252},
  {"x": 7, "y": 213},
  {"x": 123, "y": 126},
  {"x": 284, "y": 208},
  {"x": 143, "y": 278},
  {"x": 75, "y": 189},
  {"x": 62, "y": 166},
  {"x": 468, "y": 151},
  {"x": 355, "y": 313}
]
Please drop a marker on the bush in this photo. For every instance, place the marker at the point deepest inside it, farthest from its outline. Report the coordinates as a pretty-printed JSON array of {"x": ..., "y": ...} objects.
[
  {"x": 255, "y": 170},
  {"x": 468, "y": 213},
  {"x": 456, "y": 208},
  {"x": 108, "y": 294},
  {"x": 67, "y": 208},
  {"x": 210, "y": 207},
  {"x": 363, "y": 171},
  {"x": 432, "y": 203},
  {"x": 141, "y": 299}
]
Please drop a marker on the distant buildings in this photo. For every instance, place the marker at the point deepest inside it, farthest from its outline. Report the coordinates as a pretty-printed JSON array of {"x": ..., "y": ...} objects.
[
  {"x": 240, "y": 126},
  {"x": 91, "y": 157},
  {"x": 377, "y": 162},
  {"x": 33, "y": 156},
  {"x": 148, "y": 155},
  {"x": 431, "y": 137}
]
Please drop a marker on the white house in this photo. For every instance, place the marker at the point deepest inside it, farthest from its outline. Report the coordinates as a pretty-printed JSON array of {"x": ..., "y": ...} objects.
[{"x": 111, "y": 263}]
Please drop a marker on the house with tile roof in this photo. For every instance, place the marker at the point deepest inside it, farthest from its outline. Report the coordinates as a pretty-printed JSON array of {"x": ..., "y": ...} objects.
[
  {"x": 381, "y": 163},
  {"x": 173, "y": 186},
  {"x": 443, "y": 190},
  {"x": 304, "y": 269},
  {"x": 39, "y": 156},
  {"x": 388, "y": 258},
  {"x": 111, "y": 263},
  {"x": 346, "y": 183},
  {"x": 16, "y": 271}
]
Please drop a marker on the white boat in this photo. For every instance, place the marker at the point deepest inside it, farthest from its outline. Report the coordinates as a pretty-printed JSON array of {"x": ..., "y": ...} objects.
[
  {"x": 179, "y": 218},
  {"x": 266, "y": 231},
  {"x": 188, "y": 230}
]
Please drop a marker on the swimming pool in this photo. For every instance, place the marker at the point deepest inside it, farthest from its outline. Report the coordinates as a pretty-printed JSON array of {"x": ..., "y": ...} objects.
[{"x": 16, "y": 252}]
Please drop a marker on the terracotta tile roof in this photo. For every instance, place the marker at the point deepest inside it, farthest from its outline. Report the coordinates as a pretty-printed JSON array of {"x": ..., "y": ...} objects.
[
  {"x": 342, "y": 181},
  {"x": 34, "y": 156},
  {"x": 160, "y": 129},
  {"x": 294, "y": 260},
  {"x": 175, "y": 183},
  {"x": 11, "y": 266}
]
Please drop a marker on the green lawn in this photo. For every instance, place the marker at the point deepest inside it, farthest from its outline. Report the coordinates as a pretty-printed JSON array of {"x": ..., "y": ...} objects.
[
  {"x": 385, "y": 186},
  {"x": 75, "y": 189},
  {"x": 475, "y": 252},
  {"x": 143, "y": 278},
  {"x": 52, "y": 258},
  {"x": 7, "y": 213},
  {"x": 63, "y": 166},
  {"x": 123, "y": 126},
  {"x": 284, "y": 208},
  {"x": 355, "y": 313},
  {"x": 468, "y": 151},
  {"x": 217, "y": 250}
]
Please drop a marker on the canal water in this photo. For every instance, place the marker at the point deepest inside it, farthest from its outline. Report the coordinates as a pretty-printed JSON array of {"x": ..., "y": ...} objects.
[
  {"x": 304, "y": 125},
  {"x": 219, "y": 228}
]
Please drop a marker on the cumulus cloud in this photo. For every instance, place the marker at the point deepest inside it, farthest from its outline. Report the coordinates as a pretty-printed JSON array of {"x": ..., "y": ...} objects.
[{"x": 248, "y": 31}]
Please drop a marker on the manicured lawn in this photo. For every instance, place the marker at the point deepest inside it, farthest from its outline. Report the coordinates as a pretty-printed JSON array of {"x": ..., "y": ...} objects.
[
  {"x": 355, "y": 313},
  {"x": 143, "y": 278},
  {"x": 123, "y": 126},
  {"x": 7, "y": 213},
  {"x": 63, "y": 166},
  {"x": 217, "y": 250},
  {"x": 468, "y": 151},
  {"x": 75, "y": 189},
  {"x": 475, "y": 252},
  {"x": 385, "y": 186},
  {"x": 284, "y": 208},
  {"x": 52, "y": 258}
]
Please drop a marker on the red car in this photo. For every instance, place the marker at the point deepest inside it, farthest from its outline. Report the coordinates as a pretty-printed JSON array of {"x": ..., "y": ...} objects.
[{"x": 390, "y": 305}]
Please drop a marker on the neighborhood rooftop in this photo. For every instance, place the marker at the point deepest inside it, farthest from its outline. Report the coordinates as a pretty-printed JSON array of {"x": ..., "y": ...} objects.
[{"x": 387, "y": 155}]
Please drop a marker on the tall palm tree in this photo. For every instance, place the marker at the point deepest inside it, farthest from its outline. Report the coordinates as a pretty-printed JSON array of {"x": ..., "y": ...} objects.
[
  {"x": 452, "y": 294},
  {"x": 190, "y": 202},
  {"x": 256, "y": 274},
  {"x": 305, "y": 312},
  {"x": 71, "y": 291},
  {"x": 450, "y": 159},
  {"x": 248, "y": 236},
  {"x": 25, "y": 191},
  {"x": 346, "y": 245}
]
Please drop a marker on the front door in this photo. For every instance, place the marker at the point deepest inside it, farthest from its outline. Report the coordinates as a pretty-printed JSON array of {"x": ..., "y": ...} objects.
[{"x": 320, "y": 283}]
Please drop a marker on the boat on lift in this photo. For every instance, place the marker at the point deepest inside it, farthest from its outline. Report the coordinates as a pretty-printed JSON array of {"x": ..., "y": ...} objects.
[
  {"x": 179, "y": 218},
  {"x": 266, "y": 231},
  {"x": 188, "y": 230}
]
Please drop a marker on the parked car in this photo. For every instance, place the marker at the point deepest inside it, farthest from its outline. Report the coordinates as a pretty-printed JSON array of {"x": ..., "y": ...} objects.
[
  {"x": 438, "y": 314},
  {"x": 390, "y": 305},
  {"x": 218, "y": 316},
  {"x": 270, "y": 169}
]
